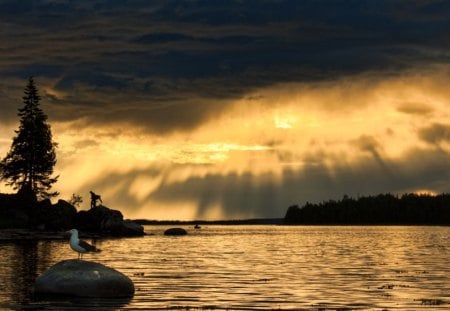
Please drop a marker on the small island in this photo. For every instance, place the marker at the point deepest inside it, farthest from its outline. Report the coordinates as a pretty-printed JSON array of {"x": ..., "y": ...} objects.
[
  {"x": 28, "y": 169},
  {"x": 23, "y": 216}
]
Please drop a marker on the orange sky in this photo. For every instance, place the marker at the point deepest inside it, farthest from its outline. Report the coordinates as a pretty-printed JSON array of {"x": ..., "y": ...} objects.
[
  {"x": 358, "y": 135},
  {"x": 195, "y": 110}
]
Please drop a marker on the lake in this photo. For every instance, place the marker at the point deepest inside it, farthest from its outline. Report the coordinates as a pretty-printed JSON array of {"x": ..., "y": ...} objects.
[{"x": 252, "y": 268}]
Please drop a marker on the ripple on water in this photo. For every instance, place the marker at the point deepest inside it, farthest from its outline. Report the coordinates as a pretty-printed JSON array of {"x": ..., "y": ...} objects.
[{"x": 253, "y": 268}]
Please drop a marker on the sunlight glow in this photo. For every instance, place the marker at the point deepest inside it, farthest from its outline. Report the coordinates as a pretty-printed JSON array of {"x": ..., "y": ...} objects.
[
  {"x": 142, "y": 186},
  {"x": 286, "y": 121},
  {"x": 291, "y": 129},
  {"x": 368, "y": 119},
  {"x": 425, "y": 192}
]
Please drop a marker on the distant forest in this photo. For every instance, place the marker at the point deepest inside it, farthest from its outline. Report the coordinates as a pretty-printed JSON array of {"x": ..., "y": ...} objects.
[{"x": 383, "y": 209}]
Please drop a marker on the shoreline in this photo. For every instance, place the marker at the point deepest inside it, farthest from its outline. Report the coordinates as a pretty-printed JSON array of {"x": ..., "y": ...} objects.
[
  {"x": 274, "y": 221},
  {"x": 254, "y": 221},
  {"x": 21, "y": 234}
]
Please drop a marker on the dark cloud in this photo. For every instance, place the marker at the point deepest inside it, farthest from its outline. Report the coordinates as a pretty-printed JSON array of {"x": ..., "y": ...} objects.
[
  {"x": 415, "y": 109},
  {"x": 154, "y": 38},
  {"x": 209, "y": 50},
  {"x": 435, "y": 134},
  {"x": 93, "y": 78},
  {"x": 368, "y": 144},
  {"x": 371, "y": 146}
]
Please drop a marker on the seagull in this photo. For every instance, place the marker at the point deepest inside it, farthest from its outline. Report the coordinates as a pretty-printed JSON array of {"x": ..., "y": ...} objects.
[{"x": 80, "y": 246}]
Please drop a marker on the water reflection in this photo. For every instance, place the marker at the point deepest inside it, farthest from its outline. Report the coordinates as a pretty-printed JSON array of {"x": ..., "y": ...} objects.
[
  {"x": 253, "y": 267},
  {"x": 74, "y": 303},
  {"x": 21, "y": 262}
]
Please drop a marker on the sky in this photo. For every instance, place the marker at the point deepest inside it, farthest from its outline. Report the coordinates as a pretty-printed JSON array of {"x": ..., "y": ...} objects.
[{"x": 233, "y": 109}]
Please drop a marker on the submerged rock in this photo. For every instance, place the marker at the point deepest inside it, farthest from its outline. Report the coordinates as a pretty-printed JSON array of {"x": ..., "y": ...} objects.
[
  {"x": 83, "y": 279},
  {"x": 175, "y": 231}
]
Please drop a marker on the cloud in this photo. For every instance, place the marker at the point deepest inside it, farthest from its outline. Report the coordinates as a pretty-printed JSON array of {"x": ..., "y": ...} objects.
[
  {"x": 85, "y": 143},
  {"x": 415, "y": 109},
  {"x": 151, "y": 192},
  {"x": 187, "y": 52},
  {"x": 369, "y": 144},
  {"x": 233, "y": 109},
  {"x": 435, "y": 134},
  {"x": 154, "y": 38},
  {"x": 344, "y": 137}
]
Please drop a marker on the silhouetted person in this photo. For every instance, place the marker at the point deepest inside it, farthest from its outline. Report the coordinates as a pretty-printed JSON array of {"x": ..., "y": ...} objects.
[{"x": 94, "y": 199}]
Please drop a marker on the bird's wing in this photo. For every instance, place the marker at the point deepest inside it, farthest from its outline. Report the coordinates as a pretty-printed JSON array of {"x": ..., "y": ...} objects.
[{"x": 88, "y": 247}]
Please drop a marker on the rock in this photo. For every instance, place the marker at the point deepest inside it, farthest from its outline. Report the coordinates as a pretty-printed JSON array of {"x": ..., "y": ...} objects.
[
  {"x": 59, "y": 216},
  {"x": 104, "y": 220},
  {"x": 8, "y": 200},
  {"x": 14, "y": 213},
  {"x": 27, "y": 196},
  {"x": 13, "y": 218},
  {"x": 175, "y": 231},
  {"x": 97, "y": 218},
  {"x": 130, "y": 228},
  {"x": 83, "y": 279},
  {"x": 22, "y": 210}
]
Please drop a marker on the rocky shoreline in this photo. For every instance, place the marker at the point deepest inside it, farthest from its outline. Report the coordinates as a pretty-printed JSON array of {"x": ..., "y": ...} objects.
[{"x": 22, "y": 216}]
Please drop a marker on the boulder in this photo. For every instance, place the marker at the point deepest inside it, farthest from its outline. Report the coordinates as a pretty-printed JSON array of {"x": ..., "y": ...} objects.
[
  {"x": 83, "y": 279},
  {"x": 104, "y": 220},
  {"x": 59, "y": 216},
  {"x": 175, "y": 231},
  {"x": 8, "y": 200},
  {"x": 13, "y": 218},
  {"x": 97, "y": 218},
  {"x": 22, "y": 210},
  {"x": 14, "y": 212},
  {"x": 129, "y": 227}
]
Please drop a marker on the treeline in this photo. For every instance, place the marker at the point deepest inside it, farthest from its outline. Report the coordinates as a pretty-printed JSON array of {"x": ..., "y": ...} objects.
[{"x": 383, "y": 209}]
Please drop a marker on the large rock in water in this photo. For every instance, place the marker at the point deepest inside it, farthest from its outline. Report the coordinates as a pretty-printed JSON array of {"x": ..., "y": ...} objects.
[
  {"x": 83, "y": 279},
  {"x": 175, "y": 231},
  {"x": 104, "y": 220}
]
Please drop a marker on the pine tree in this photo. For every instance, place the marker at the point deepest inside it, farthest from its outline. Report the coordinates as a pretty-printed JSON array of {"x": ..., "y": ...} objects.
[{"x": 30, "y": 161}]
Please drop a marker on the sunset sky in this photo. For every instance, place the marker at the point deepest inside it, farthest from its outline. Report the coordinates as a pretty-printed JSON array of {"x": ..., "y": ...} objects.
[{"x": 233, "y": 109}]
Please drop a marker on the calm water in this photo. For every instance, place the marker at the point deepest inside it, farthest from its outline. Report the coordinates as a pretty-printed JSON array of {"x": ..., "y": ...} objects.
[{"x": 253, "y": 268}]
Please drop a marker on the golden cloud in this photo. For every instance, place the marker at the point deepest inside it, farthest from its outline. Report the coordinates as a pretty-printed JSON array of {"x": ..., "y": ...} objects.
[{"x": 333, "y": 128}]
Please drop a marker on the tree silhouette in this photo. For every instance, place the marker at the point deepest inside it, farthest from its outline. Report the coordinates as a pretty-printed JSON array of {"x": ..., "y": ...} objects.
[
  {"x": 382, "y": 209},
  {"x": 31, "y": 158}
]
